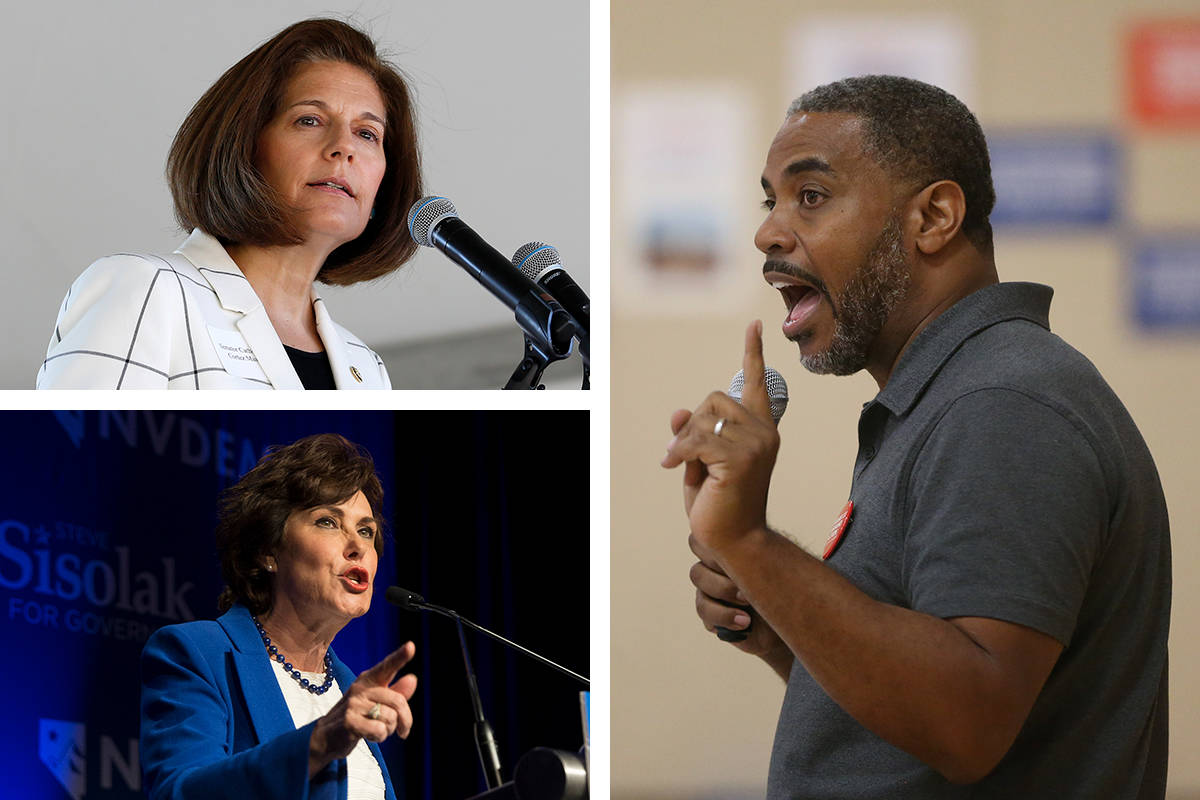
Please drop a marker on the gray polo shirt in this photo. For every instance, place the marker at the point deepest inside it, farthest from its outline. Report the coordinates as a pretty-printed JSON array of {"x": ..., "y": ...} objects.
[{"x": 999, "y": 476}]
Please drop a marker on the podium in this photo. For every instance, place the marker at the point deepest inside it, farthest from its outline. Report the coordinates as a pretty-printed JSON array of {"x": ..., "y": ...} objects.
[{"x": 543, "y": 774}]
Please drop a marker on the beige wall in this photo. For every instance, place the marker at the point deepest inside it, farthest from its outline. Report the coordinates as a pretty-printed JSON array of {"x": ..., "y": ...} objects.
[{"x": 691, "y": 717}]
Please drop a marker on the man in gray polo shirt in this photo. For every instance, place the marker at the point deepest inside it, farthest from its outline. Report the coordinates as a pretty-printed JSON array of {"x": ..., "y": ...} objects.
[{"x": 990, "y": 616}]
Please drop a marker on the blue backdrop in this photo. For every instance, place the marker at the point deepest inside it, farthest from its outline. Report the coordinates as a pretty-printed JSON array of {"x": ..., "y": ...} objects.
[{"x": 106, "y": 534}]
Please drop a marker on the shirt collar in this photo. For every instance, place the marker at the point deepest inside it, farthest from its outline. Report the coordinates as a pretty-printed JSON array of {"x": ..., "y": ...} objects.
[
  {"x": 934, "y": 345},
  {"x": 212, "y": 260},
  {"x": 206, "y": 251}
]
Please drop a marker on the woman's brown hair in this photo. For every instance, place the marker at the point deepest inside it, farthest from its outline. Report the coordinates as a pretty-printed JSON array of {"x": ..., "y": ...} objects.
[
  {"x": 325, "y": 469},
  {"x": 217, "y": 188}
]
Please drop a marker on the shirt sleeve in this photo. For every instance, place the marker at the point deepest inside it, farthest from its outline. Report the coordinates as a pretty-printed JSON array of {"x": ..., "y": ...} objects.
[
  {"x": 1007, "y": 513},
  {"x": 114, "y": 328},
  {"x": 185, "y": 735}
]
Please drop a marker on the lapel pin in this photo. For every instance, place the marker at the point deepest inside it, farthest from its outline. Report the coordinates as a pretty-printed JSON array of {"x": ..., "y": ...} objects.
[
  {"x": 357, "y": 376},
  {"x": 839, "y": 529}
]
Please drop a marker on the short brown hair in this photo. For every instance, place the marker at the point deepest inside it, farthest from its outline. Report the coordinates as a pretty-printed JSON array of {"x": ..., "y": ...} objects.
[
  {"x": 217, "y": 188},
  {"x": 318, "y": 470}
]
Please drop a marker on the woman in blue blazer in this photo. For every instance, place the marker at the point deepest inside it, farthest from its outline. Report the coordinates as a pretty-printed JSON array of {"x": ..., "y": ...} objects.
[
  {"x": 256, "y": 703},
  {"x": 299, "y": 165}
]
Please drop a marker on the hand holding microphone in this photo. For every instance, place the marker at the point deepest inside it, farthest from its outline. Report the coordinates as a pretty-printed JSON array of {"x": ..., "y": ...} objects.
[
  {"x": 730, "y": 451},
  {"x": 716, "y": 585}
]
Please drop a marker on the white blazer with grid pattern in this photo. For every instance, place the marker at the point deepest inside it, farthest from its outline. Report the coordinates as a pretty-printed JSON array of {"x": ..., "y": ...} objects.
[{"x": 186, "y": 321}]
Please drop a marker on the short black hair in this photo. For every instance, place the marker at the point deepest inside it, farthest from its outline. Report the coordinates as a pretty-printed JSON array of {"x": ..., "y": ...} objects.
[{"x": 920, "y": 134}]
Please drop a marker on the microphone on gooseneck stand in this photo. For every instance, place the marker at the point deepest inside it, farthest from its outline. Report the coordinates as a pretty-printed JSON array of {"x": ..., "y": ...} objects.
[
  {"x": 549, "y": 329},
  {"x": 541, "y": 264},
  {"x": 777, "y": 396},
  {"x": 485, "y": 741},
  {"x": 411, "y": 601}
]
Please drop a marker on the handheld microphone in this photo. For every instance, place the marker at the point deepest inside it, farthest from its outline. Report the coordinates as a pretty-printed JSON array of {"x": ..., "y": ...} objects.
[
  {"x": 541, "y": 264},
  {"x": 777, "y": 391},
  {"x": 777, "y": 396},
  {"x": 434, "y": 222}
]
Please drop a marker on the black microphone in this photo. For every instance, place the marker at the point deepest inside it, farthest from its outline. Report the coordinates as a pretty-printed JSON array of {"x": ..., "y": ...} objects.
[
  {"x": 409, "y": 601},
  {"x": 541, "y": 264},
  {"x": 777, "y": 396},
  {"x": 434, "y": 222}
]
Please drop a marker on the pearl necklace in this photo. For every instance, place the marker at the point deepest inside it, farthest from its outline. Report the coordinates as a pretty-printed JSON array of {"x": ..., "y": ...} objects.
[{"x": 305, "y": 683}]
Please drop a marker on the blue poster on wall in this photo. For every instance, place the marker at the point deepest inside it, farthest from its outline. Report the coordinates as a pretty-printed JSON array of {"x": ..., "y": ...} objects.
[
  {"x": 1165, "y": 277},
  {"x": 1051, "y": 178}
]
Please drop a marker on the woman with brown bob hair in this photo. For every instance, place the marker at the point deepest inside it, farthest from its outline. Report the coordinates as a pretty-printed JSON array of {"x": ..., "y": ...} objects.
[
  {"x": 256, "y": 703},
  {"x": 298, "y": 165}
]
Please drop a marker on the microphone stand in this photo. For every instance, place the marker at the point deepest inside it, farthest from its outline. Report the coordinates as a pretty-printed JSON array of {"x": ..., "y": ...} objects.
[
  {"x": 485, "y": 741},
  {"x": 584, "y": 347},
  {"x": 528, "y": 374}
]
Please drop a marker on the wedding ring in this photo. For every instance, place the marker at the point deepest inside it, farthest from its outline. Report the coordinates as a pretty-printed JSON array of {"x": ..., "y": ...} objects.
[
  {"x": 374, "y": 712},
  {"x": 720, "y": 426}
]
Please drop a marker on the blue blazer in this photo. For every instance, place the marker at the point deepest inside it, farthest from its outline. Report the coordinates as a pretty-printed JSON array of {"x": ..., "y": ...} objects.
[{"x": 215, "y": 724}]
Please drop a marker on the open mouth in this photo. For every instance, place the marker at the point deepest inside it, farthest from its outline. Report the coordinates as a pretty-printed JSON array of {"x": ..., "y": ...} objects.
[
  {"x": 802, "y": 301},
  {"x": 357, "y": 579}
]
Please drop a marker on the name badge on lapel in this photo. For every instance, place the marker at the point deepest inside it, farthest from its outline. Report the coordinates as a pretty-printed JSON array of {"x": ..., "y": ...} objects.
[
  {"x": 236, "y": 356},
  {"x": 839, "y": 529}
]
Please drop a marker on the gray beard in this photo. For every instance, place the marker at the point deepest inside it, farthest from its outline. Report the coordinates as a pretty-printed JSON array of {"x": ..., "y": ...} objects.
[{"x": 869, "y": 298}]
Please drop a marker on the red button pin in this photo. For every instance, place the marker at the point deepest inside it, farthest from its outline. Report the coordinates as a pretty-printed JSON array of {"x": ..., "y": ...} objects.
[{"x": 839, "y": 529}]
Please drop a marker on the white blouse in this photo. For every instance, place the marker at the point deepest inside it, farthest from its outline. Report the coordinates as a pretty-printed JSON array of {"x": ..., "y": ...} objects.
[{"x": 365, "y": 778}]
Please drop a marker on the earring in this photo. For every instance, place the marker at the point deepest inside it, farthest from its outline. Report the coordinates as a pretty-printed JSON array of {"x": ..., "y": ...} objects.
[{"x": 372, "y": 212}]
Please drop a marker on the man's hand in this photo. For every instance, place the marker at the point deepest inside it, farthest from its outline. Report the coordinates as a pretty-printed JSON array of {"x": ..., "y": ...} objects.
[
  {"x": 716, "y": 599},
  {"x": 727, "y": 474}
]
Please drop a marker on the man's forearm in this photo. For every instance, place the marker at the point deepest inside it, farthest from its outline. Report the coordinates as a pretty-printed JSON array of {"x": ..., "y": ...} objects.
[
  {"x": 917, "y": 681},
  {"x": 781, "y": 661}
]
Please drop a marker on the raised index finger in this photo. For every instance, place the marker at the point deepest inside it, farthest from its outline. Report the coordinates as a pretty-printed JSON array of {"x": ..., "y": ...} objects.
[
  {"x": 754, "y": 392},
  {"x": 383, "y": 673}
]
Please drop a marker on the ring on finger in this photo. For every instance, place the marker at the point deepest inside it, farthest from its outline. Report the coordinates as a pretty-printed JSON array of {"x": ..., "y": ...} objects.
[
  {"x": 720, "y": 426},
  {"x": 374, "y": 712}
]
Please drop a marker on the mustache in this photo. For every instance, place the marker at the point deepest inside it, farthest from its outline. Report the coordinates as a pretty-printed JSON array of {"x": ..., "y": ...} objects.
[{"x": 800, "y": 273}]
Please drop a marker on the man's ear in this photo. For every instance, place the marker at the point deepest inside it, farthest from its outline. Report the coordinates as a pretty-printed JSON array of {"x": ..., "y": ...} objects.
[{"x": 938, "y": 210}]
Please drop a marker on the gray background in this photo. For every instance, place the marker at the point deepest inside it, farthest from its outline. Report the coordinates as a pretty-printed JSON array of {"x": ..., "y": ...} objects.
[{"x": 94, "y": 93}]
